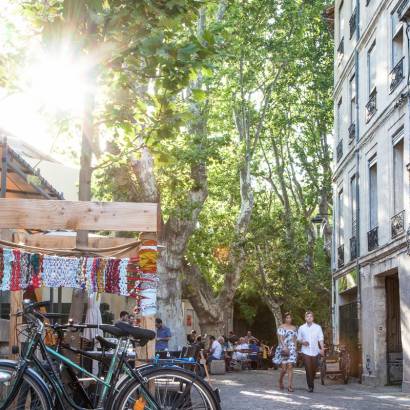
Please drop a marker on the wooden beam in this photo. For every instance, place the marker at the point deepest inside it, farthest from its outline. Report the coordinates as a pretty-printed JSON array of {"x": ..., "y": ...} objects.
[{"x": 78, "y": 215}]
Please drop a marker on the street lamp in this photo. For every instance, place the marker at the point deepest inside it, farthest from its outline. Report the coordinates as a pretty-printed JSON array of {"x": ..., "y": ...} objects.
[{"x": 321, "y": 223}]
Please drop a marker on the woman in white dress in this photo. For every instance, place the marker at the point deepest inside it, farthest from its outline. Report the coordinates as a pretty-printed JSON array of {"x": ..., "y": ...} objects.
[{"x": 286, "y": 354}]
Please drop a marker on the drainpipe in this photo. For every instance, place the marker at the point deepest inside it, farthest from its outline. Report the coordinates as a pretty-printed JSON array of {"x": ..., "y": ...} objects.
[
  {"x": 333, "y": 269},
  {"x": 406, "y": 20},
  {"x": 357, "y": 156},
  {"x": 4, "y": 168}
]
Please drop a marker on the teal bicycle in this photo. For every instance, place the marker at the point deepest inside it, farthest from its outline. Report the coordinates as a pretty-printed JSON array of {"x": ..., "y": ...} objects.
[{"x": 35, "y": 381}]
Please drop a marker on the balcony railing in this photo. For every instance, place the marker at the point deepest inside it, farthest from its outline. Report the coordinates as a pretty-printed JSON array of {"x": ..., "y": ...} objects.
[
  {"x": 353, "y": 22},
  {"x": 340, "y": 256},
  {"x": 353, "y": 248},
  {"x": 339, "y": 150},
  {"x": 341, "y": 48},
  {"x": 352, "y": 131},
  {"x": 403, "y": 10},
  {"x": 397, "y": 224},
  {"x": 371, "y": 106},
  {"x": 373, "y": 239},
  {"x": 396, "y": 75}
]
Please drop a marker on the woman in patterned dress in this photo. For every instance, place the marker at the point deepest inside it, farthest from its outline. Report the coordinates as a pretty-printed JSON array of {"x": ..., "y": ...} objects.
[{"x": 286, "y": 355}]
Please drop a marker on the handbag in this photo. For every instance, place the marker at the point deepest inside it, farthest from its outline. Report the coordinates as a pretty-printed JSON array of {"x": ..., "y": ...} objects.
[{"x": 284, "y": 354}]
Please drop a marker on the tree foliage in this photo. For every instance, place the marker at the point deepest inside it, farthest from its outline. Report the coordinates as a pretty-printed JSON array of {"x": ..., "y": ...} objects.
[{"x": 224, "y": 110}]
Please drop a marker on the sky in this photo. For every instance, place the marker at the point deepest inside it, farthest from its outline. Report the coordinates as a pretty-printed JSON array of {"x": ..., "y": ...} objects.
[{"x": 47, "y": 85}]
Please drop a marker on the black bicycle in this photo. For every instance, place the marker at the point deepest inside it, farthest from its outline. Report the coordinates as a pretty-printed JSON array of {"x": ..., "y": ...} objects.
[{"x": 35, "y": 382}]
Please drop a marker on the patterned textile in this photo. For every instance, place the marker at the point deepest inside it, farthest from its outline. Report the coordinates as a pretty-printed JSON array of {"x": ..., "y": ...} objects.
[
  {"x": 289, "y": 337},
  {"x": 60, "y": 271},
  {"x": 133, "y": 277},
  {"x": 7, "y": 266}
]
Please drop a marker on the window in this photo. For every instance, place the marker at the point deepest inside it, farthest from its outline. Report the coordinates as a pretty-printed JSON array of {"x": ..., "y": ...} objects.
[
  {"x": 352, "y": 93},
  {"x": 397, "y": 39},
  {"x": 398, "y": 176},
  {"x": 338, "y": 119},
  {"x": 353, "y": 203},
  {"x": 371, "y": 68},
  {"x": 353, "y": 18},
  {"x": 373, "y": 209},
  {"x": 397, "y": 47},
  {"x": 341, "y": 21},
  {"x": 340, "y": 222}
]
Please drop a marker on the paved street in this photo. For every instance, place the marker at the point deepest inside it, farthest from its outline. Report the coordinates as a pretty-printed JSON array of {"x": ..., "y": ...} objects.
[{"x": 256, "y": 390}]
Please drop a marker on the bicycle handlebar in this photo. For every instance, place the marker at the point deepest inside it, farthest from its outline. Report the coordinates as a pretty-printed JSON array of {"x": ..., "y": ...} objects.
[{"x": 29, "y": 306}]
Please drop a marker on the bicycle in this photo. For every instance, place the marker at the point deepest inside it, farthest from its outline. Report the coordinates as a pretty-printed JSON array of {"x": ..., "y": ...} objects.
[
  {"x": 36, "y": 384},
  {"x": 107, "y": 351}
]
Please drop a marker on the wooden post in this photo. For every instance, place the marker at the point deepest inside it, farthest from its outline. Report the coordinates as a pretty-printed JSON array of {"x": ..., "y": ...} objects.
[
  {"x": 4, "y": 168},
  {"x": 16, "y": 301}
]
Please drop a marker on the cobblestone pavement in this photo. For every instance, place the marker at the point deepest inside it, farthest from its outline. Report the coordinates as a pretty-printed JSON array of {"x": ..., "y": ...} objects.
[{"x": 256, "y": 390}]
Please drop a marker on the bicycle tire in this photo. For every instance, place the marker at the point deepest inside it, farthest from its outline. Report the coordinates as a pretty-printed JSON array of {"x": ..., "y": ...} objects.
[
  {"x": 32, "y": 392},
  {"x": 204, "y": 393}
]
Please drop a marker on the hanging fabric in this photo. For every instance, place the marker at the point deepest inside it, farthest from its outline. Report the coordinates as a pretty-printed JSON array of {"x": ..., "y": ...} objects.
[{"x": 132, "y": 277}]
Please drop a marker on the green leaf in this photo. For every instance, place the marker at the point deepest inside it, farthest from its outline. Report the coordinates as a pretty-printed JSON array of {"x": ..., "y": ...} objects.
[{"x": 198, "y": 94}]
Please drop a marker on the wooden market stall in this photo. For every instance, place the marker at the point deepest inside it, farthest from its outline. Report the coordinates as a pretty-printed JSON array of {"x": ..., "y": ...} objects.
[{"x": 31, "y": 214}]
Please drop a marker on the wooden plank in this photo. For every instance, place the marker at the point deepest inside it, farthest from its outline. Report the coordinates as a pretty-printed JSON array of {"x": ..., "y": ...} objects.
[
  {"x": 78, "y": 215},
  {"x": 68, "y": 241}
]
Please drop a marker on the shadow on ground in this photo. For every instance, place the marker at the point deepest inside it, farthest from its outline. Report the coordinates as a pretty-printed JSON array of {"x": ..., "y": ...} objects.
[{"x": 256, "y": 390}]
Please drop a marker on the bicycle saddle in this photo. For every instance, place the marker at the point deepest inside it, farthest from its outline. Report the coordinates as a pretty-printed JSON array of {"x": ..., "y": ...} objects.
[
  {"x": 113, "y": 330},
  {"x": 106, "y": 344},
  {"x": 142, "y": 335}
]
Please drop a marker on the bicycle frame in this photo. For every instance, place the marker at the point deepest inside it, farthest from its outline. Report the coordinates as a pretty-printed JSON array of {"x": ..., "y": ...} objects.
[{"x": 116, "y": 365}]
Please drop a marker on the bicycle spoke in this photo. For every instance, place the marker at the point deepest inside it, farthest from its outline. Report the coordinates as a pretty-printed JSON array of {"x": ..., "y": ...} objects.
[{"x": 172, "y": 392}]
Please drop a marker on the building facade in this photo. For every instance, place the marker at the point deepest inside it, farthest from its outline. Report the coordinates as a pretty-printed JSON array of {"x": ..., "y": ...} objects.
[{"x": 370, "y": 261}]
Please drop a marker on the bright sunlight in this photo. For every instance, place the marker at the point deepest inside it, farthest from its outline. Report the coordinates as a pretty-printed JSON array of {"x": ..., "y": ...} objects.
[{"x": 59, "y": 83}]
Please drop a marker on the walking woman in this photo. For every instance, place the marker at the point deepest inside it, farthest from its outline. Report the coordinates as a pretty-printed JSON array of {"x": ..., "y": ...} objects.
[{"x": 286, "y": 355}]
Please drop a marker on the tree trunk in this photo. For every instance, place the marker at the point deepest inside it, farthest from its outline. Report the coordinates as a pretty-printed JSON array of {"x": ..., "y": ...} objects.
[
  {"x": 222, "y": 319},
  {"x": 175, "y": 233},
  {"x": 276, "y": 310},
  {"x": 174, "y": 237},
  {"x": 84, "y": 192},
  {"x": 203, "y": 300},
  {"x": 170, "y": 298}
]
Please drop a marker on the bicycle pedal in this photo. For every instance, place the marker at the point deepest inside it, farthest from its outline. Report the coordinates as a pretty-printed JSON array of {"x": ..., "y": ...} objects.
[{"x": 140, "y": 404}]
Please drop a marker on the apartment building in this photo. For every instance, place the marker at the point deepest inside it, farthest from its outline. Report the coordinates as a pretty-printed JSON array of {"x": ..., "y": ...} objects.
[{"x": 370, "y": 251}]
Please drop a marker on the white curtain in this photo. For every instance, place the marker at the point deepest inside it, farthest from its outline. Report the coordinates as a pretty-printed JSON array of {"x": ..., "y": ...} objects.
[{"x": 93, "y": 316}]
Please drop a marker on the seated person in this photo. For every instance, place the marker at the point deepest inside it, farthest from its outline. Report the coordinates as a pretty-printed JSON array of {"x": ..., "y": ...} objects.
[
  {"x": 254, "y": 355},
  {"x": 215, "y": 352},
  {"x": 232, "y": 337},
  {"x": 191, "y": 338},
  {"x": 241, "y": 350},
  {"x": 254, "y": 350}
]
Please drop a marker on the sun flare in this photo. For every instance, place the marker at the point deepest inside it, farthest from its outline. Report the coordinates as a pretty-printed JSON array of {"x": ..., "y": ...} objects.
[{"x": 59, "y": 83}]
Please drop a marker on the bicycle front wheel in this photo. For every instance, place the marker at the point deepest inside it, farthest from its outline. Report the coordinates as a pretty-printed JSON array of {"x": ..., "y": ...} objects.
[
  {"x": 30, "y": 394},
  {"x": 170, "y": 388}
]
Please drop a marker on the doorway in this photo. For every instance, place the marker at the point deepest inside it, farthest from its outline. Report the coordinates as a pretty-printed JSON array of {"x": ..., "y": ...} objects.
[
  {"x": 393, "y": 331},
  {"x": 349, "y": 334}
]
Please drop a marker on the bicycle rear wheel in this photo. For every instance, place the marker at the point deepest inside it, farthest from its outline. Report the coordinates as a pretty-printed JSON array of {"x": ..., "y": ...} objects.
[
  {"x": 171, "y": 388},
  {"x": 30, "y": 395}
]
